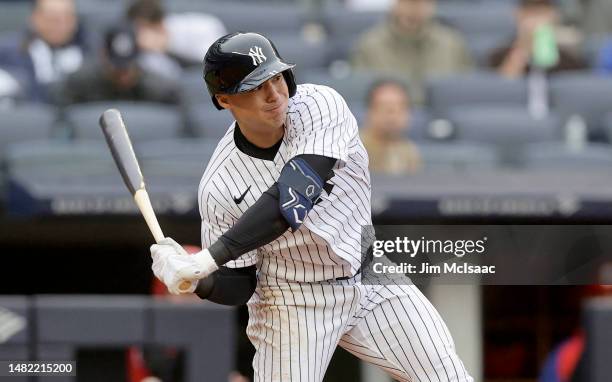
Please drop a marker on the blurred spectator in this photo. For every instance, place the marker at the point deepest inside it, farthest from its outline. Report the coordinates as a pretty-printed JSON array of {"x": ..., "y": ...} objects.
[
  {"x": 411, "y": 43},
  {"x": 368, "y": 5},
  {"x": 384, "y": 135},
  {"x": 118, "y": 76},
  {"x": 516, "y": 58},
  {"x": 52, "y": 47},
  {"x": 9, "y": 89},
  {"x": 604, "y": 61},
  {"x": 169, "y": 42},
  {"x": 597, "y": 17}
]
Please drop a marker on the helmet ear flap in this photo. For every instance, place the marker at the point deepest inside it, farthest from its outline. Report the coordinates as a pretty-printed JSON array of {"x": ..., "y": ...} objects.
[{"x": 290, "y": 80}]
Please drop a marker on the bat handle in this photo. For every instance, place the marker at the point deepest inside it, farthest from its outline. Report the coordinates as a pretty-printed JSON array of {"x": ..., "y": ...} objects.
[{"x": 144, "y": 204}]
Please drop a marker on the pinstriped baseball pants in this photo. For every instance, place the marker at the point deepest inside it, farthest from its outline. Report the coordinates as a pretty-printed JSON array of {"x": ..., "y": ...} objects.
[{"x": 295, "y": 328}]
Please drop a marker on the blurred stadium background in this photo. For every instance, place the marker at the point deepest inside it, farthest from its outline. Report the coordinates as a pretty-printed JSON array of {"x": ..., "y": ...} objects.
[{"x": 75, "y": 273}]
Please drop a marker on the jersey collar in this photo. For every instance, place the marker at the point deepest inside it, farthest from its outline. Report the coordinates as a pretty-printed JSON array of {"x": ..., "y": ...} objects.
[{"x": 254, "y": 151}]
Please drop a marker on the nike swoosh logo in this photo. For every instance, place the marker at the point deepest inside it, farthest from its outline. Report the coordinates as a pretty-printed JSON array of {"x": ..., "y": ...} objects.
[{"x": 241, "y": 198}]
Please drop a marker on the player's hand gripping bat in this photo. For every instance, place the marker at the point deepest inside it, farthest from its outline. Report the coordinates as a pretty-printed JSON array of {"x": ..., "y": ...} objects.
[{"x": 121, "y": 148}]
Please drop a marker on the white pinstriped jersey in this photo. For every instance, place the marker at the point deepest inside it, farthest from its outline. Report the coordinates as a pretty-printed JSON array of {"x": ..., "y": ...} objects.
[
  {"x": 300, "y": 310},
  {"x": 328, "y": 244}
]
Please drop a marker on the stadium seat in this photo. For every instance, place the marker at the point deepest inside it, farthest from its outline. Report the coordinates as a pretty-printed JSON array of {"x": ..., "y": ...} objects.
[
  {"x": 595, "y": 156},
  {"x": 193, "y": 87},
  {"x": 608, "y": 124},
  {"x": 345, "y": 27},
  {"x": 342, "y": 22},
  {"x": 508, "y": 128},
  {"x": 8, "y": 38},
  {"x": 494, "y": 18},
  {"x": 293, "y": 48},
  {"x": 176, "y": 157},
  {"x": 485, "y": 27},
  {"x": 14, "y": 15},
  {"x": 144, "y": 120},
  {"x": 585, "y": 94},
  {"x": 26, "y": 122},
  {"x": 360, "y": 111},
  {"x": 99, "y": 15},
  {"x": 206, "y": 121},
  {"x": 262, "y": 17},
  {"x": 353, "y": 87},
  {"x": 481, "y": 46},
  {"x": 592, "y": 47},
  {"x": 484, "y": 88},
  {"x": 176, "y": 6},
  {"x": 419, "y": 125},
  {"x": 23, "y": 123},
  {"x": 39, "y": 167},
  {"x": 502, "y": 125},
  {"x": 458, "y": 156},
  {"x": 62, "y": 158}
]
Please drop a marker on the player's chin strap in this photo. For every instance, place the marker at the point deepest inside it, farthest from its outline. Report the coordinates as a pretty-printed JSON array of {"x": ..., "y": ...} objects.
[{"x": 299, "y": 187}]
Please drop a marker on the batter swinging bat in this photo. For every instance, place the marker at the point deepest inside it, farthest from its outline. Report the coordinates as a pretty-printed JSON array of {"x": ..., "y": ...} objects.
[{"x": 121, "y": 148}]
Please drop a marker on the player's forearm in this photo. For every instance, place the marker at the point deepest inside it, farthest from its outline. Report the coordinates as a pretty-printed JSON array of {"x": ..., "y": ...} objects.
[
  {"x": 263, "y": 222},
  {"x": 260, "y": 224},
  {"x": 228, "y": 286}
]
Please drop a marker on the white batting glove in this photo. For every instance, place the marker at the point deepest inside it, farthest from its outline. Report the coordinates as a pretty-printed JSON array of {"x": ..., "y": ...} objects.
[{"x": 172, "y": 265}]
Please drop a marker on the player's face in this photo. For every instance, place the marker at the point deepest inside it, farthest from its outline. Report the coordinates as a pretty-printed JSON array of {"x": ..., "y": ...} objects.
[{"x": 262, "y": 108}]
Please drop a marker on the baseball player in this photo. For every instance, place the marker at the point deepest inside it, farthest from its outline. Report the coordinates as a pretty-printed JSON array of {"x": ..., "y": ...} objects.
[{"x": 283, "y": 202}]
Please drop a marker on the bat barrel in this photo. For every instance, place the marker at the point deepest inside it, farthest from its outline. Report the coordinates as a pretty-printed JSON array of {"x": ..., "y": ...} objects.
[{"x": 121, "y": 148}]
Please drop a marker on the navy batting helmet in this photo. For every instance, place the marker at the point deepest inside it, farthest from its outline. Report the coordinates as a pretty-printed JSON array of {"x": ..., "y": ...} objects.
[{"x": 239, "y": 62}]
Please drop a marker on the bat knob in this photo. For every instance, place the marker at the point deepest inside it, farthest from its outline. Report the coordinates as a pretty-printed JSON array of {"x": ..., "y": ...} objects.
[{"x": 185, "y": 285}]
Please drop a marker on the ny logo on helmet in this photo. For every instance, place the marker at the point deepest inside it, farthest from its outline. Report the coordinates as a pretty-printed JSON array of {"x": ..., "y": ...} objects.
[{"x": 257, "y": 55}]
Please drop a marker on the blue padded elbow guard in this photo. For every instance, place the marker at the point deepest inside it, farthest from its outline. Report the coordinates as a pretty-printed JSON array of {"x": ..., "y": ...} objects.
[{"x": 299, "y": 188}]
